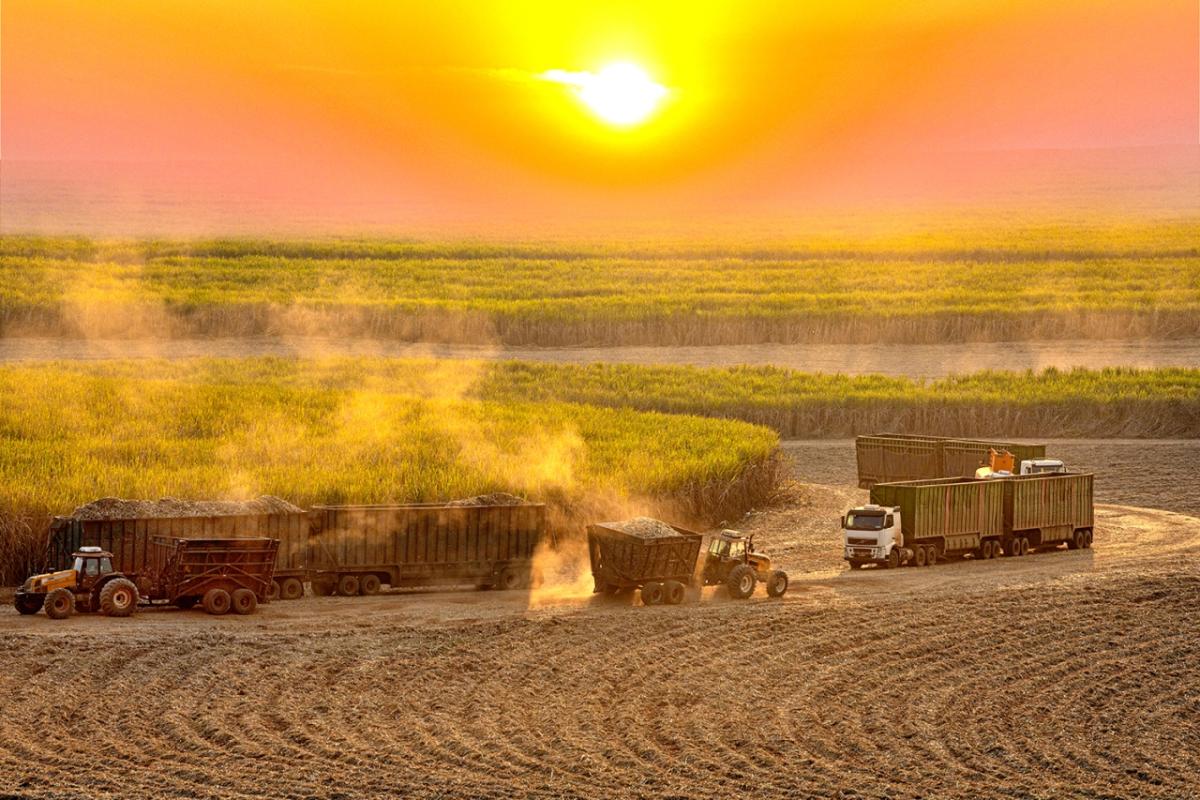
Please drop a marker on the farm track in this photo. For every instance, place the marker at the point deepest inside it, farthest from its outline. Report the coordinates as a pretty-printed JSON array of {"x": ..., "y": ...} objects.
[{"x": 1065, "y": 674}]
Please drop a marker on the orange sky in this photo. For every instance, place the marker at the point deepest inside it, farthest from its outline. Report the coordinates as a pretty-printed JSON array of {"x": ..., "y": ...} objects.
[{"x": 436, "y": 105}]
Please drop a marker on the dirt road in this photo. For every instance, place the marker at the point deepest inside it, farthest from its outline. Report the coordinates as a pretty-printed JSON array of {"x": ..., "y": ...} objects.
[{"x": 1065, "y": 674}]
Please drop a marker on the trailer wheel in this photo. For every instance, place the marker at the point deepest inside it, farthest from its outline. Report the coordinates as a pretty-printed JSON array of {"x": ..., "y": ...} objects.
[
  {"x": 118, "y": 598},
  {"x": 1025, "y": 546},
  {"x": 1087, "y": 538},
  {"x": 919, "y": 556},
  {"x": 186, "y": 602},
  {"x": 274, "y": 591},
  {"x": 509, "y": 579},
  {"x": 322, "y": 587},
  {"x": 29, "y": 603},
  {"x": 673, "y": 593},
  {"x": 931, "y": 556},
  {"x": 291, "y": 589},
  {"x": 347, "y": 585},
  {"x": 777, "y": 584},
  {"x": 60, "y": 604},
  {"x": 243, "y": 601},
  {"x": 369, "y": 584},
  {"x": 741, "y": 581},
  {"x": 217, "y": 601},
  {"x": 652, "y": 594}
]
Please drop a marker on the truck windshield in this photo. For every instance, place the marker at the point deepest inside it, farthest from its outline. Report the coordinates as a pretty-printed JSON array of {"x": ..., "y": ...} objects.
[{"x": 864, "y": 522}]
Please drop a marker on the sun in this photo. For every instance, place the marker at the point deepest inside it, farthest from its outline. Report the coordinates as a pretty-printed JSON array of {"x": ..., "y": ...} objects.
[{"x": 621, "y": 94}]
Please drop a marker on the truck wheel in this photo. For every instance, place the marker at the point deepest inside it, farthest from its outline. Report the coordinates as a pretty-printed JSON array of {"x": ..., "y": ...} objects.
[
  {"x": 855, "y": 565},
  {"x": 652, "y": 594},
  {"x": 1024, "y": 546},
  {"x": 60, "y": 604},
  {"x": 673, "y": 593},
  {"x": 217, "y": 601},
  {"x": 509, "y": 579},
  {"x": 930, "y": 556},
  {"x": 777, "y": 584},
  {"x": 274, "y": 591},
  {"x": 322, "y": 587},
  {"x": 243, "y": 601},
  {"x": 291, "y": 589},
  {"x": 893, "y": 559},
  {"x": 186, "y": 602},
  {"x": 347, "y": 585},
  {"x": 29, "y": 603},
  {"x": 118, "y": 598},
  {"x": 741, "y": 582},
  {"x": 919, "y": 557},
  {"x": 369, "y": 584}
]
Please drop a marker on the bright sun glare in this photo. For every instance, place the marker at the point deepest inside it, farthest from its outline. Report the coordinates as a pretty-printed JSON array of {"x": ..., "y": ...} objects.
[{"x": 620, "y": 94}]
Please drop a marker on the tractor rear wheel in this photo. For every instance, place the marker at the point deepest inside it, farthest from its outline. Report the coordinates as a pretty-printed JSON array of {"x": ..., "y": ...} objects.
[
  {"x": 243, "y": 601},
  {"x": 217, "y": 601},
  {"x": 274, "y": 591},
  {"x": 369, "y": 584},
  {"x": 652, "y": 594},
  {"x": 673, "y": 592},
  {"x": 29, "y": 603},
  {"x": 777, "y": 583},
  {"x": 60, "y": 604},
  {"x": 741, "y": 581},
  {"x": 291, "y": 589},
  {"x": 118, "y": 598},
  {"x": 347, "y": 585}
]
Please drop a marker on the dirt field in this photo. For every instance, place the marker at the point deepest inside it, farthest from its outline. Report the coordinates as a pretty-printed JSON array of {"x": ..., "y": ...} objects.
[
  {"x": 910, "y": 360},
  {"x": 1065, "y": 674}
]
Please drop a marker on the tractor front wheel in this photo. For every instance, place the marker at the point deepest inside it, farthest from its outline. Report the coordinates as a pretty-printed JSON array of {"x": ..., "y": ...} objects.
[
  {"x": 29, "y": 603},
  {"x": 118, "y": 598},
  {"x": 60, "y": 604},
  {"x": 777, "y": 583},
  {"x": 741, "y": 582}
]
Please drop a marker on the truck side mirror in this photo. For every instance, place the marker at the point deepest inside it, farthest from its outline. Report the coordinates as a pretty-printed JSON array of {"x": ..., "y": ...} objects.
[{"x": 843, "y": 520}]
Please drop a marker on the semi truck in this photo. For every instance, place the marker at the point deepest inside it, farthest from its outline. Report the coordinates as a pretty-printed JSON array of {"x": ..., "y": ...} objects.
[
  {"x": 893, "y": 457},
  {"x": 919, "y": 523},
  {"x": 221, "y": 574},
  {"x": 660, "y": 562}
]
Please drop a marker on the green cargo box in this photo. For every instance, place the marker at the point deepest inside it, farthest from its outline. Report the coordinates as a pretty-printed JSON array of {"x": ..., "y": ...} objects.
[
  {"x": 955, "y": 513},
  {"x": 1048, "y": 508},
  {"x": 894, "y": 457}
]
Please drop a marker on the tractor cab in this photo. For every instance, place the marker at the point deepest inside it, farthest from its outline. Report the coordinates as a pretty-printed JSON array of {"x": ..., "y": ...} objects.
[{"x": 90, "y": 565}]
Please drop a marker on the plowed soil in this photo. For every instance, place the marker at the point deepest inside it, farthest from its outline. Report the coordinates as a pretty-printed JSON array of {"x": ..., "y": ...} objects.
[{"x": 1062, "y": 674}]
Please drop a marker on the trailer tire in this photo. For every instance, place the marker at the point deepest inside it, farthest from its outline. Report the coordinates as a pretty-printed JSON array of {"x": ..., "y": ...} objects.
[
  {"x": 652, "y": 594},
  {"x": 777, "y": 583},
  {"x": 187, "y": 603},
  {"x": 673, "y": 592},
  {"x": 60, "y": 604},
  {"x": 509, "y": 579},
  {"x": 741, "y": 582},
  {"x": 118, "y": 598},
  {"x": 323, "y": 587},
  {"x": 369, "y": 584},
  {"x": 919, "y": 556},
  {"x": 217, "y": 601},
  {"x": 274, "y": 591},
  {"x": 1025, "y": 546},
  {"x": 29, "y": 603},
  {"x": 1087, "y": 539},
  {"x": 931, "y": 556},
  {"x": 243, "y": 601},
  {"x": 291, "y": 589},
  {"x": 347, "y": 585}
]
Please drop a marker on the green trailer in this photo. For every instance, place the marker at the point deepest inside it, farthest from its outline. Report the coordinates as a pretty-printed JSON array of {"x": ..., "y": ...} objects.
[
  {"x": 895, "y": 458},
  {"x": 1045, "y": 511}
]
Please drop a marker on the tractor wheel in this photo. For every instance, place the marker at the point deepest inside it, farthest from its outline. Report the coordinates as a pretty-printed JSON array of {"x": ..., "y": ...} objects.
[
  {"x": 244, "y": 601},
  {"x": 118, "y": 598},
  {"x": 509, "y": 579},
  {"x": 217, "y": 601},
  {"x": 322, "y": 587},
  {"x": 931, "y": 556},
  {"x": 187, "y": 602},
  {"x": 653, "y": 594},
  {"x": 274, "y": 591},
  {"x": 29, "y": 603},
  {"x": 893, "y": 559},
  {"x": 741, "y": 581},
  {"x": 369, "y": 584},
  {"x": 347, "y": 585},
  {"x": 777, "y": 583},
  {"x": 291, "y": 589},
  {"x": 673, "y": 592},
  {"x": 60, "y": 604},
  {"x": 919, "y": 557}
]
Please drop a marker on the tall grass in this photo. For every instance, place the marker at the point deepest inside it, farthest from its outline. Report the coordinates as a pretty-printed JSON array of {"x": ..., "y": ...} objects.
[{"x": 1036, "y": 283}]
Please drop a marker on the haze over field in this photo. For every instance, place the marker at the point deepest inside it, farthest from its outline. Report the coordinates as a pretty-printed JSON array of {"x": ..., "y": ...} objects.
[{"x": 408, "y": 117}]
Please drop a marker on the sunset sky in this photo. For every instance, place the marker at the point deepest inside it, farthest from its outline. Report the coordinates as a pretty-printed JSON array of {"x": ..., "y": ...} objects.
[{"x": 446, "y": 106}]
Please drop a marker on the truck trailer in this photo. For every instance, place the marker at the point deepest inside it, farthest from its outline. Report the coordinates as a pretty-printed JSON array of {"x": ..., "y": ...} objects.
[
  {"x": 918, "y": 523},
  {"x": 893, "y": 457}
]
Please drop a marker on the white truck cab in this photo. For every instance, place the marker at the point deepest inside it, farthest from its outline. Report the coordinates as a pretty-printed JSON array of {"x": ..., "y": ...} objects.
[
  {"x": 1035, "y": 466},
  {"x": 871, "y": 534}
]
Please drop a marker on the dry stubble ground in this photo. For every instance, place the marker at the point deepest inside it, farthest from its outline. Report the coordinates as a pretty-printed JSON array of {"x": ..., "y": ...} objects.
[{"x": 1065, "y": 674}]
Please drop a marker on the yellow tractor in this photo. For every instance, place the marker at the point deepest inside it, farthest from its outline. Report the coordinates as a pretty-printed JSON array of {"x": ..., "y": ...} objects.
[
  {"x": 732, "y": 561},
  {"x": 90, "y": 585}
]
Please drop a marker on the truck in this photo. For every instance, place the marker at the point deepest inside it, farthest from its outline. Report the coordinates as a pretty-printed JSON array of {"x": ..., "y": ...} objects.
[
  {"x": 918, "y": 523},
  {"x": 659, "y": 561},
  {"x": 130, "y": 540},
  {"x": 894, "y": 458},
  {"x": 357, "y": 549},
  {"x": 222, "y": 574}
]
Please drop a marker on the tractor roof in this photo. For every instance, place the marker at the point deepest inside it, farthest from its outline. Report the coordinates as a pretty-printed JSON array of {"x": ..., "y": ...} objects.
[{"x": 91, "y": 552}]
